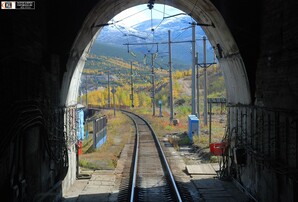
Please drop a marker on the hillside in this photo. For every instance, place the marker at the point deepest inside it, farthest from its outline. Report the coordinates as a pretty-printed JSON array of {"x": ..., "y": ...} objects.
[
  {"x": 96, "y": 81},
  {"x": 121, "y": 53},
  {"x": 95, "y": 73},
  {"x": 215, "y": 80},
  {"x": 109, "y": 54}
]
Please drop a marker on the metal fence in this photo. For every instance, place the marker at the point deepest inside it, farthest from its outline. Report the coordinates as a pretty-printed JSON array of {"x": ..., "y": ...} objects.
[
  {"x": 268, "y": 136},
  {"x": 99, "y": 131}
]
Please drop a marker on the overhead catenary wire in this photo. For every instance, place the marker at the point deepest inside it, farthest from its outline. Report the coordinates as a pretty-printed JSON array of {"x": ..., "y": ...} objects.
[
  {"x": 131, "y": 15},
  {"x": 152, "y": 27},
  {"x": 129, "y": 33},
  {"x": 151, "y": 33}
]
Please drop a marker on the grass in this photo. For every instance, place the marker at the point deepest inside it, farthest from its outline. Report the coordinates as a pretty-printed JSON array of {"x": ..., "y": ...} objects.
[
  {"x": 120, "y": 129},
  {"x": 177, "y": 135},
  {"x": 87, "y": 146},
  {"x": 118, "y": 132}
]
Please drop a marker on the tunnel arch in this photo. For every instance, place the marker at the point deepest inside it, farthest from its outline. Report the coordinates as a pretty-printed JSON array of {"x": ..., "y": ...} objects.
[{"x": 219, "y": 35}]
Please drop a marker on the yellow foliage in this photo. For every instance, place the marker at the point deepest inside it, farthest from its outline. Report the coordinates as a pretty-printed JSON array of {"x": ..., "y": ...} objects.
[{"x": 136, "y": 100}]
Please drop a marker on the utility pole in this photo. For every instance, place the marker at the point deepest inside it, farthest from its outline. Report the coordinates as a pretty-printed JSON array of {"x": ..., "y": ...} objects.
[
  {"x": 205, "y": 82},
  {"x": 193, "y": 81},
  {"x": 114, "y": 101},
  {"x": 86, "y": 91},
  {"x": 131, "y": 85},
  {"x": 109, "y": 94},
  {"x": 198, "y": 86},
  {"x": 171, "y": 79},
  {"x": 153, "y": 86}
]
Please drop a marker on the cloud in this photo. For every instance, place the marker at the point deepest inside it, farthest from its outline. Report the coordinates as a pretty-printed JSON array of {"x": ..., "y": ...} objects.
[
  {"x": 133, "y": 15},
  {"x": 141, "y": 13}
]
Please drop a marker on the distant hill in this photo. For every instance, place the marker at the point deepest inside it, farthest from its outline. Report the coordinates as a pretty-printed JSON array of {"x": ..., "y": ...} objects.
[
  {"x": 110, "y": 53},
  {"x": 111, "y": 39},
  {"x": 119, "y": 52}
]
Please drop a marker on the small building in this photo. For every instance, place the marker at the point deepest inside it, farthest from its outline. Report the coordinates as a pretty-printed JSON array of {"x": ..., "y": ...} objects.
[
  {"x": 193, "y": 126},
  {"x": 80, "y": 121}
]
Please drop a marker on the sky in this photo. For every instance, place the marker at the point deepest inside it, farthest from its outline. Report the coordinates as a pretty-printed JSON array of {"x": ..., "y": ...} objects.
[{"x": 141, "y": 13}]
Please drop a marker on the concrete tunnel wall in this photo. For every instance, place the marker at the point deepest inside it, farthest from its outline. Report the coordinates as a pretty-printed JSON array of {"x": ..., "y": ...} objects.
[{"x": 40, "y": 51}]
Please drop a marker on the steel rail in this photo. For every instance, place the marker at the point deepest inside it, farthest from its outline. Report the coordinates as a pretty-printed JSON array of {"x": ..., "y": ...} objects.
[
  {"x": 135, "y": 160},
  {"x": 167, "y": 170}
]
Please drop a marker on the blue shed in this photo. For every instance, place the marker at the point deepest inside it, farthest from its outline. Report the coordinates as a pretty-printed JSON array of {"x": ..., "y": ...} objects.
[
  {"x": 80, "y": 119},
  {"x": 193, "y": 126}
]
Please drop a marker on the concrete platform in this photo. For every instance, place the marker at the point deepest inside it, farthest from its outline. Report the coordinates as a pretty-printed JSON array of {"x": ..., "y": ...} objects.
[
  {"x": 201, "y": 169},
  {"x": 212, "y": 189},
  {"x": 100, "y": 187}
]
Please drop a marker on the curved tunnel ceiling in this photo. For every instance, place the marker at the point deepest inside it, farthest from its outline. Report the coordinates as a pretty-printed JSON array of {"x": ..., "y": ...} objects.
[{"x": 202, "y": 11}]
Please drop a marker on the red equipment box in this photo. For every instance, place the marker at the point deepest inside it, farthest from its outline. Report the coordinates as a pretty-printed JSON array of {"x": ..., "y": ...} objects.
[{"x": 218, "y": 148}]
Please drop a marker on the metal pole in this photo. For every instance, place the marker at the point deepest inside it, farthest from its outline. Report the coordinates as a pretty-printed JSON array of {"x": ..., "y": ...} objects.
[
  {"x": 153, "y": 86},
  {"x": 86, "y": 91},
  {"x": 109, "y": 94},
  {"x": 171, "y": 79},
  {"x": 210, "y": 111},
  {"x": 131, "y": 84},
  {"x": 214, "y": 58},
  {"x": 193, "y": 81},
  {"x": 198, "y": 91},
  {"x": 205, "y": 83},
  {"x": 114, "y": 102},
  {"x": 198, "y": 86}
]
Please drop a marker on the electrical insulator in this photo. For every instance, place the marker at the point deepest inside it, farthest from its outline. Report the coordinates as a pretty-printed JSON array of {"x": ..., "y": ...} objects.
[{"x": 150, "y": 4}]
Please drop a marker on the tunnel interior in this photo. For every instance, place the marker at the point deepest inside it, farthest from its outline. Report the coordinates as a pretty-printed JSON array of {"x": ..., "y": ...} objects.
[{"x": 43, "y": 53}]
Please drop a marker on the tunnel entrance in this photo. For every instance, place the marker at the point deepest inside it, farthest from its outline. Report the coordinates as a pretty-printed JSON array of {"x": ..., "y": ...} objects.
[
  {"x": 220, "y": 38},
  {"x": 125, "y": 54}
]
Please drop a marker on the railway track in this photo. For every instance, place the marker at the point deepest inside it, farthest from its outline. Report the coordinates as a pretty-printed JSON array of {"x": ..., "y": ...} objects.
[{"x": 147, "y": 175}]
